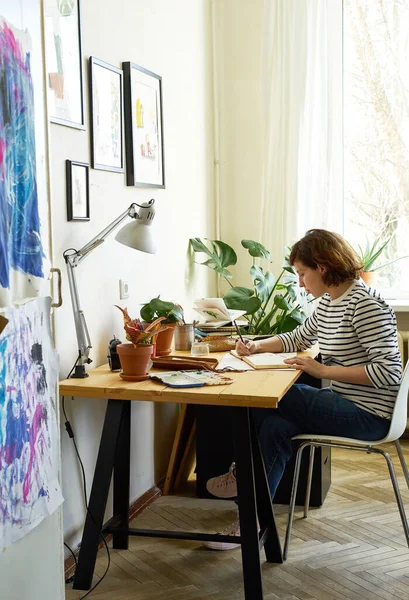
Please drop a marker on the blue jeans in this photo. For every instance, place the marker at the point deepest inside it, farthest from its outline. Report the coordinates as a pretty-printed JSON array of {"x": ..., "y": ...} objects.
[{"x": 305, "y": 409}]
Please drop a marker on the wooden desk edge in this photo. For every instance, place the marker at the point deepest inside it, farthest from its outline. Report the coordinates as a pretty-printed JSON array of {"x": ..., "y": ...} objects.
[{"x": 155, "y": 392}]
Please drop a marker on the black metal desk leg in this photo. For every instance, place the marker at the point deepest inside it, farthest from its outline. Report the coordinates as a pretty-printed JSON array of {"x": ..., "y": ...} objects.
[
  {"x": 265, "y": 510},
  {"x": 99, "y": 494},
  {"x": 253, "y": 586},
  {"x": 120, "y": 540}
]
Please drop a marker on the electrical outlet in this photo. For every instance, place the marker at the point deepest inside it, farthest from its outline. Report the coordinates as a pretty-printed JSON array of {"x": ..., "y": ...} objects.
[{"x": 123, "y": 289}]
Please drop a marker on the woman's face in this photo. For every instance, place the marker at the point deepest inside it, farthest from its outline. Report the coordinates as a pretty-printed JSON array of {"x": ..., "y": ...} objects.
[{"x": 310, "y": 279}]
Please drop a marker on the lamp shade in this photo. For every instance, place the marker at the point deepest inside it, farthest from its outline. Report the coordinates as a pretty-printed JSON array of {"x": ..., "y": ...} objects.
[{"x": 138, "y": 233}]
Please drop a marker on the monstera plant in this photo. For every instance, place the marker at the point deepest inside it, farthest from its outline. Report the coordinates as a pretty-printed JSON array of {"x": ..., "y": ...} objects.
[{"x": 272, "y": 304}]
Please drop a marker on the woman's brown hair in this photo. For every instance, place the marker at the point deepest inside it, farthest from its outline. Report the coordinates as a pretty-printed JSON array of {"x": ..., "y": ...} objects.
[{"x": 330, "y": 250}]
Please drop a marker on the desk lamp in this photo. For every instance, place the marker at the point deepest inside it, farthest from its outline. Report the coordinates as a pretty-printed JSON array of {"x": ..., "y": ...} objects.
[{"x": 136, "y": 234}]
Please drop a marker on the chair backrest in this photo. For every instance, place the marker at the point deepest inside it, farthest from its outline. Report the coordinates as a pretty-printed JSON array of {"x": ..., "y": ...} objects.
[{"x": 400, "y": 412}]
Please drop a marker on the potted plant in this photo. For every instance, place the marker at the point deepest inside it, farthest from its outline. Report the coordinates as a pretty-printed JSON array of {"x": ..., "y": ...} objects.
[
  {"x": 135, "y": 356},
  {"x": 369, "y": 255},
  {"x": 272, "y": 304},
  {"x": 170, "y": 314}
]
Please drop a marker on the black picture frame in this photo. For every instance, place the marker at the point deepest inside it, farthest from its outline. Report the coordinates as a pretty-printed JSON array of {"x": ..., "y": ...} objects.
[
  {"x": 145, "y": 165},
  {"x": 107, "y": 116},
  {"x": 77, "y": 185},
  {"x": 65, "y": 88}
]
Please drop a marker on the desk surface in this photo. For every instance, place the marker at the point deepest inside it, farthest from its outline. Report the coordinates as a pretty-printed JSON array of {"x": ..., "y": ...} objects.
[{"x": 261, "y": 388}]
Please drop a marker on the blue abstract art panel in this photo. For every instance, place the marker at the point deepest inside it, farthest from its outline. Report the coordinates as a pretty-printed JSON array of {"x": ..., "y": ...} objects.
[
  {"x": 21, "y": 249},
  {"x": 29, "y": 485}
]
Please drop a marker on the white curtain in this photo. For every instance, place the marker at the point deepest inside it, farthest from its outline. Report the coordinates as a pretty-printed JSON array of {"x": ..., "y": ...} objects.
[{"x": 302, "y": 96}]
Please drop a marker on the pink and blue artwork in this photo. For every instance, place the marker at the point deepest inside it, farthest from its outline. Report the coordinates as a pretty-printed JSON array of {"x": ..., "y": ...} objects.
[
  {"x": 29, "y": 484},
  {"x": 21, "y": 249}
]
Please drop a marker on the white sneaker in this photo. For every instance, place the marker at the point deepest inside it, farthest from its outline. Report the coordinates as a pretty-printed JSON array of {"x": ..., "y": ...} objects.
[
  {"x": 232, "y": 529},
  {"x": 224, "y": 486}
]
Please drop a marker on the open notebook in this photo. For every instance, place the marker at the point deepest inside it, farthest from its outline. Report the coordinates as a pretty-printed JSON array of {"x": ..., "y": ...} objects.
[{"x": 267, "y": 360}]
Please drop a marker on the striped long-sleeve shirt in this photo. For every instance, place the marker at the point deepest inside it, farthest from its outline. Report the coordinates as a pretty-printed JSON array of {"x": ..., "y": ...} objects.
[{"x": 356, "y": 329}]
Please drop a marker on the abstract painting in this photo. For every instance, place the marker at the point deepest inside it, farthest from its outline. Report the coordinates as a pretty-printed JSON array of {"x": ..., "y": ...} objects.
[
  {"x": 143, "y": 127},
  {"x": 62, "y": 19},
  {"x": 21, "y": 250},
  {"x": 29, "y": 486}
]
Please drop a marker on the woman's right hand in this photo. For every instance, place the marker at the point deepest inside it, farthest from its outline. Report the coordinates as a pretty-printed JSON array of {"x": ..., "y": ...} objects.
[{"x": 247, "y": 348}]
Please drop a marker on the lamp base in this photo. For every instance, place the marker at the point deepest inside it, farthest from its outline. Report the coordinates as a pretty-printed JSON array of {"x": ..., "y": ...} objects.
[{"x": 79, "y": 372}]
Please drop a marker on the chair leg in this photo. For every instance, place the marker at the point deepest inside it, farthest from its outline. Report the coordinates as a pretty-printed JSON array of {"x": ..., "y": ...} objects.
[
  {"x": 402, "y": 461},
  {"x": 309, "y": 480},
  {"x": 397, "y": 493},
  {"x": 292, "y": 499}
]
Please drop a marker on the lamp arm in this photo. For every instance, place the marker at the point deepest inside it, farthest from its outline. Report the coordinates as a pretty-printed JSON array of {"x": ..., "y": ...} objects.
[
  {"x": 72, "y": 258},
  {"x": 83, "y": 339},
  {"x": 101, "y": 237}
]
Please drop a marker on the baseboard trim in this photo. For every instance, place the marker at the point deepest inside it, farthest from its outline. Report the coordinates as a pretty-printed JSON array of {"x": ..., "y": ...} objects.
[{"x": 136, "y": 508}]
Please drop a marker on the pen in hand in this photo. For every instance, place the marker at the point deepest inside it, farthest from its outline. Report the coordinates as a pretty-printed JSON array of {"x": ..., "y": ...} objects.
[{"x": 239, "y": 334}]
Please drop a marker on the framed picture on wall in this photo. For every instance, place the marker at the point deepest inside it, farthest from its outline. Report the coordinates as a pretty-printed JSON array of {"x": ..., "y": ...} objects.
[
  {"x": 65, "y": 83},
  {"x": 77, "y": 179},
  {"x": 143, "y": 127},
  {"x": 106, "y": 94}
]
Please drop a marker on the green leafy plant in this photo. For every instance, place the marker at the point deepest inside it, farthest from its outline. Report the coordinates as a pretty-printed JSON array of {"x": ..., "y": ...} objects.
[
  {"x": 371, "y": 252},
  {"x": 157, "y": 308},
  {"x": 137, "y": 333},
  {"x": 273, "y": 304}
]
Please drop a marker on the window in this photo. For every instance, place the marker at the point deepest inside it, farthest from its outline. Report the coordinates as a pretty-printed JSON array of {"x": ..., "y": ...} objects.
[{"x": 376, "y": 133}]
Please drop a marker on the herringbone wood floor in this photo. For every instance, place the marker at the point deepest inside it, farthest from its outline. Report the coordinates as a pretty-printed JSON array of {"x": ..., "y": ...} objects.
[{"x": 353, "y": 547}]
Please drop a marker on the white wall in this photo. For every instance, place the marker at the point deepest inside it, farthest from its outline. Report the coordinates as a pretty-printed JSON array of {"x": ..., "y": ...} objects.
[
  {"x": 238, "y": 41},
  {"x": 172, "y": 39}
]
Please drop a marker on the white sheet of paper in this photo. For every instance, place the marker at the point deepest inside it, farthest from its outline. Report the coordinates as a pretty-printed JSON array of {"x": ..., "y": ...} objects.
[
  {"x": 230, "y": 362},
  {"x": 275, "y": 358}
]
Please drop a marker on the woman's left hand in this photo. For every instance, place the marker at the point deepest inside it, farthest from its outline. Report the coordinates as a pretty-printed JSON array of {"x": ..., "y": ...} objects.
[{"x": 308, "y": 365}]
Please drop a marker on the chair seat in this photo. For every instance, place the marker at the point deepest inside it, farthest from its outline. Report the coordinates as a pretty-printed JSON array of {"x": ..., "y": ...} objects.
[{"x": 341, "y": 440}]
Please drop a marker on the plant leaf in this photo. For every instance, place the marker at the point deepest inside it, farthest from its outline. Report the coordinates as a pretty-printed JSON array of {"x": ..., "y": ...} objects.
[
  {"x": 288, "y": 323},
  {"x": 371, "y": 253},
  {"x": 221, "y": 255},
  {"x": 160, "y": 306},
  {"x": 263, "y": 282},
  {"x": 241, "y": 298},
  {"x": 169, "y": 311},
  {"x": 226, "y": 255},
  {"x": 199, "y": 246},
  {"x": 280, "y": 301},
  {"x": 389, "y": 263},
  {"x": 256, "y": 249},
  {"x": 147, "y": 314},
  {"x": 212, "y": 265},
  {"x": 298, "y": 317}
]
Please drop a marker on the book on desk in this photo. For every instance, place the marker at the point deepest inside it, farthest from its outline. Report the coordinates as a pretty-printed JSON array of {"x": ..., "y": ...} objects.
[{"x": 267, "y": 360}]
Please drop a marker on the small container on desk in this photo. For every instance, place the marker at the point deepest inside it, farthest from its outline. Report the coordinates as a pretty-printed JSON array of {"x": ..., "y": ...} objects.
[
  {"x": 184, "y": 336},
  {"x": 199, "y": 349}
]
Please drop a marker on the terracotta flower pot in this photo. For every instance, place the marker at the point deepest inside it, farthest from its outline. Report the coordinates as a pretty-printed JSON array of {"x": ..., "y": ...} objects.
[
  {"x": 164, "y": 340},
  {"x": 134, "y": 360},
  {"x": 369, "y": 277}
]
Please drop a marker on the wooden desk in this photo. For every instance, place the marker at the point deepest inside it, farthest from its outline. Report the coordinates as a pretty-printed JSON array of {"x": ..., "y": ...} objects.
[{"x": 250, "y": 389}]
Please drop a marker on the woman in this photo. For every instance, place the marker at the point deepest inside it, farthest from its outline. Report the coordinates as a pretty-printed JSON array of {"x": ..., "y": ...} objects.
[{"x": 357, "y": 337}]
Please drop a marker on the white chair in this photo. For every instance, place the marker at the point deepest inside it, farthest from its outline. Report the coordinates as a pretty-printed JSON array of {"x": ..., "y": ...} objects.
[{"x": 397, "y": 427}]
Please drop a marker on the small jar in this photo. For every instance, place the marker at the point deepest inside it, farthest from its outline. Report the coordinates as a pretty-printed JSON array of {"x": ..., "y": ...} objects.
[{"x": 199, "y": 349}]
